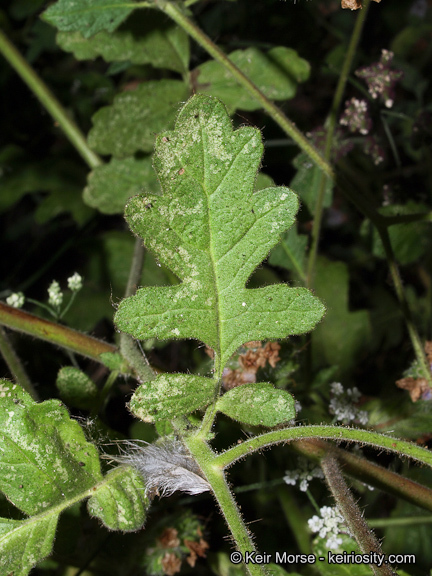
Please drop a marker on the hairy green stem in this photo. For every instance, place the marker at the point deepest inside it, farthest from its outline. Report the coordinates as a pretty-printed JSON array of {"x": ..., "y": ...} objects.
[
  {"x": 136, "y": 268},
  {"x": 48, "y": 100},
  {"x": 205, "y": 458},
  {"x": 107, "y": 387},
  {"x": 53, "y": 333},
  {"x": 15, "y": 366},
  {"x": 331, "y": 126},
  {"x": 128, "y": 348},
  {"x": 340, "y": 433},
  {"x": 365, "y": 538},
  {"x": 177, "y": 14},
  {"x": 368, "y": 472}
]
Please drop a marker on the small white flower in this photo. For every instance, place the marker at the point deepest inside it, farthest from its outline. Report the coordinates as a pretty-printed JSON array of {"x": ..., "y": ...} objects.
[
  {"x": 329, "y": 526},
  {"x": 16, "y": 300},
  {"x": 75, "y": 282},
  {"x": 333, "y": 542},
  {"x": 304, "y": 473},
  {"x": 342, "y": 405},
  {"x": 55, "y": 295},
  {"x": 290, "y": 477},
  {"x": 336, "y": 388}
]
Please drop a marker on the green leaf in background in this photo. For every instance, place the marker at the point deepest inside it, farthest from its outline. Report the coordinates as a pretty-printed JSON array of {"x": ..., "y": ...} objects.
[
  {"x": 258, "y": 404},
  {"x": 409, "y": 241},
  {"x": 276, "y": 73},
  {"x": 111, "y": 185},
  {"x": 76, "y": 388},
  {"x": 129, "y": 125},
  {"x": 290, "y": 253},
  {"x": 121, "y": 502},
  {"x": 146, "y": 38},
  {"x": 62, "y": 201},
  {"x": 306, "y": 182},
  {"x": 87, "y": 16},
  {"x": 170, "y": 395},
  {"x": 212, "y": 231},
  {"x": 342, "y": 335},
  {"x": 332, "y": 569},
  {"x": 24, "y": 543},
  {"x": 19, "y": 176}
]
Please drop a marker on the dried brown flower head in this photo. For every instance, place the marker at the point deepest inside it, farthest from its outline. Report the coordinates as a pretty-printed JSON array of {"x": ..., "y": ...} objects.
[
  {"x": 171, "y": 564},
  {"x": 353, "y": 4}
]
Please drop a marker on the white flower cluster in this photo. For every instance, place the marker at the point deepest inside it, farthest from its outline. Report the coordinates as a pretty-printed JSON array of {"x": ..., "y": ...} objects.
[
  {"x": 55, "y": 295},
  {"x": 304, "y": 473},
  {"x": 16, "y": 300},
  {"x": 75, "y": 282},
  {"x": 342, "y": 405},
  {"x": 329, "y": 525}
]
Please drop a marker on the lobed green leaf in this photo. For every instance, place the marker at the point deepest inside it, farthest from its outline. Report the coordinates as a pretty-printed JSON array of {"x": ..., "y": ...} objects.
[{"x": 211, "y": 230}]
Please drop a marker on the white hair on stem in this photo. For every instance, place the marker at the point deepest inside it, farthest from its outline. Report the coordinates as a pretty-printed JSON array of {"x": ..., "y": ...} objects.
[{"x": 166, "y": 467}]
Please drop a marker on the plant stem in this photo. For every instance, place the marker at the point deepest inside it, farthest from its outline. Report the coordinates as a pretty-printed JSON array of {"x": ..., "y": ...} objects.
[
  {"x": 365, "y": 538},
  {"x": 176, "y": 13},
  {"x": 384, "y": 442},
  {"x": 395, "y": 522},
  {"x": 54, "y": 333},
  {"x": 331, "y": 126},
  {"x": 105, "y": 392},
  {"x": 136, "y": 358},
  {"x": 136, "y": 268},
  {"x": 205, "y": 458},
  {"x": 368, "y": 472},
  {"x": 48, "y": 100},
  {"x": 15, "y": 366},
  {"x": 400, "y": 293}
]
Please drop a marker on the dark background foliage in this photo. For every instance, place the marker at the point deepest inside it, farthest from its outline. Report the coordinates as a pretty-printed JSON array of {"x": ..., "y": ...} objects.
[{"x": 48, "y": 232}]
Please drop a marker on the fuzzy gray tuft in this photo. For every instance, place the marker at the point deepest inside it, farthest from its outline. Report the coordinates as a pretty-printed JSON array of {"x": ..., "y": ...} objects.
[{"x": 166, "y": 467}]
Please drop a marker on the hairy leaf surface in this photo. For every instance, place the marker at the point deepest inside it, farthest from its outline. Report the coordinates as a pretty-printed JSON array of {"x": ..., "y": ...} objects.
[
  {"x": 46, "y": 465},
  {"x": 129, "y": 125},
  {"x": 88, "y": 16},
  {"x": 276, "y": 73},
  {"x": 170, "y": 395},
  {"x": 111, "y": 185},
  {"x": 258, "y": 404},
  {"x": 146, "y": 38},
  {"x": 211, "y": 230}
]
